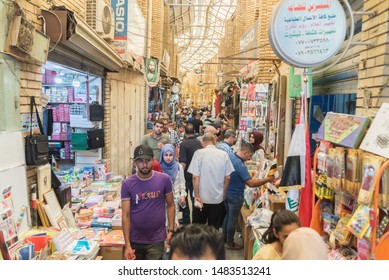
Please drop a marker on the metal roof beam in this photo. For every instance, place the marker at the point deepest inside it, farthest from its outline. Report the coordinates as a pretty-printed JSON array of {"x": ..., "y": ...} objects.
[{"x": 179, "y": 16}]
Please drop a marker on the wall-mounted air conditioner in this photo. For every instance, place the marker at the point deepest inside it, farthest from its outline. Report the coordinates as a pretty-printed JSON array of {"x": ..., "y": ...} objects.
[{"x": 100, "y": 16}]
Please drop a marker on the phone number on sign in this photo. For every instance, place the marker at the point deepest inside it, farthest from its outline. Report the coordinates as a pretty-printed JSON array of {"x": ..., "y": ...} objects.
[{"x": 231, "y": 270}]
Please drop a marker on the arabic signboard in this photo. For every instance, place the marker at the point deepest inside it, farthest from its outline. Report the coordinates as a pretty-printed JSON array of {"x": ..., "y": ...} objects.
[{"x": 307, "y": 33}]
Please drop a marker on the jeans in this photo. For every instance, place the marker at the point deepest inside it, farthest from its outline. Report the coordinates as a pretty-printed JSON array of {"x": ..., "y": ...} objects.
[
  {"x": 233, "y": 206},
  {"x": 148, "y": 251}
]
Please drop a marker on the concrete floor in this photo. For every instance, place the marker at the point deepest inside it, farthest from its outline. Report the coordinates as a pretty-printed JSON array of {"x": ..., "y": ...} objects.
[{"x": 236, "y": 254}]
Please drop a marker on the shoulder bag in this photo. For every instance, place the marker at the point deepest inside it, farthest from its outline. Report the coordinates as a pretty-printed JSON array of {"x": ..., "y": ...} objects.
[
  {"x": 36, "y": 146},
  {"x": 96, "y": 138}
]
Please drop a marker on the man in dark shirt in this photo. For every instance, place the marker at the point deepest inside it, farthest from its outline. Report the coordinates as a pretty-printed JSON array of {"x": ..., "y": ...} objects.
[
  {"x": 188, "y": 147},
  {"x": 197, "y": 124}
]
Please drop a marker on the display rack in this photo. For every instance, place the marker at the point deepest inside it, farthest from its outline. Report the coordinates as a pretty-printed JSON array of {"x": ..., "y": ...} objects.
[
  {"x": 374, "y": 213},
  {"x": 376, "y": 207}
]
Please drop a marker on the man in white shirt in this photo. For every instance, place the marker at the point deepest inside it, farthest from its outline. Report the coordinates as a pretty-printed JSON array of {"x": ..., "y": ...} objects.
[{"x": 211, "y": 169}]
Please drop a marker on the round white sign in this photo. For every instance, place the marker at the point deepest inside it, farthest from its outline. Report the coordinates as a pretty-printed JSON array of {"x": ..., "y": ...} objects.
[
  {"x": 307, "y": 33},
  {"x": 175, "y": 89}
]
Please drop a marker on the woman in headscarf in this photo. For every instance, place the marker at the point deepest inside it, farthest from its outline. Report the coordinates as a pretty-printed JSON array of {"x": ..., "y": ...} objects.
[
  {"x": 256, "y": 139},
  {"x": 304, "y": 244},
  {"x": 282, "y": 223},
  {"x": 176, "y": 173}
]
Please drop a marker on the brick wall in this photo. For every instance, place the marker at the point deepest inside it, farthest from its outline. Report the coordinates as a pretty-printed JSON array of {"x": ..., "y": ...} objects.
[
  {"x": 157, "y": 37},
  {"x": 373, "y": 74},
  {"x": 143, "y": 5},
  {"x": 264, "y": 51},
  {"x": 250, "y": 13},
  {"x": 239, "y": 23}
]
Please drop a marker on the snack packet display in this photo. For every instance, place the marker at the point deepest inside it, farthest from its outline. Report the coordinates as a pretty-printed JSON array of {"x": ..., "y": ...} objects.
[
  {"x": 383, "y": 197},
  {"x": 353, "y": 171},
  {"x": 339, "y": 168},
  {"x": 330, "y": 168},
  {"x": 342, "y": 233},
  {"x": 360, "y": 221},
  {"x": 370, "y": 167},
  {"x": 363, "y": 248}
]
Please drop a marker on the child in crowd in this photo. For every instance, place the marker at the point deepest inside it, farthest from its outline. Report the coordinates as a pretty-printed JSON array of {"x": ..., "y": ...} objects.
[{"x": 283, "y": 222}]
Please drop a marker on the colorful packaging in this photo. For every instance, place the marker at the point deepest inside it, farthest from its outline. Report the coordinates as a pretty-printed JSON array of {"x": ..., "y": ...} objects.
[
  {"x": 371, "y": 164},
  {"x": 330, "y": 168},
  {"x": 339, "y": 168},
  {"x": 360, "y": 221}
]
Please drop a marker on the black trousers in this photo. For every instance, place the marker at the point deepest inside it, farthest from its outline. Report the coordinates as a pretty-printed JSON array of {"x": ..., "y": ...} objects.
[
  {"x": 210, "y": 214},
  {"x": 186, "y": 210}
]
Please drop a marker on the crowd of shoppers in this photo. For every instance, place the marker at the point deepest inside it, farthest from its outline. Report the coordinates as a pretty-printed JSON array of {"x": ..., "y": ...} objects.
[{"x": 193, "y": 157}]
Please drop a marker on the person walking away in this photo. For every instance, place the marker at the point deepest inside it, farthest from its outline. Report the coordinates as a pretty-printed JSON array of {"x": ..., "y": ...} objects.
[
  {"x": 211, "y": 169},
  {"x": 208, "y": 129},
  {"x": 156, "y": 139},
  {"x": 175, "y": 171},
  {"x": 188, "y": 147},
  {"x": 228, "y": 141},
  {"x": 146, "y": 197},
  {"x": 235, "y": 192},
  {"x": 282, "y": 223}
]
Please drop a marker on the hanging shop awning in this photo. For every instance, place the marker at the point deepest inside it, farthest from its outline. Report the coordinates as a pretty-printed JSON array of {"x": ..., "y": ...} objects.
[{"x": 83, "y": 41}]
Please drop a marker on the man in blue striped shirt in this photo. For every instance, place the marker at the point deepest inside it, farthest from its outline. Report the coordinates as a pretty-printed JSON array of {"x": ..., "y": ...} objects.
[{"x": 228, "y": 142}]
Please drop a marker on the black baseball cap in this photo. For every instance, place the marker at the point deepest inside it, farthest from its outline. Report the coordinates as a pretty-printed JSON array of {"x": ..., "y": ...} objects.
[{"x": 143, "y": 152}]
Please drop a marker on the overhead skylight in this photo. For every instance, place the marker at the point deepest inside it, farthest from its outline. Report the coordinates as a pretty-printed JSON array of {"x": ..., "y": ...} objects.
[{"x": 198, "y": 27}]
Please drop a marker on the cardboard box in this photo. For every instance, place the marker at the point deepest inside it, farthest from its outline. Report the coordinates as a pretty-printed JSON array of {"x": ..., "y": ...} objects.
[
  {"x": 112, "y": 252},
  {"x": 276, "y": 202}
]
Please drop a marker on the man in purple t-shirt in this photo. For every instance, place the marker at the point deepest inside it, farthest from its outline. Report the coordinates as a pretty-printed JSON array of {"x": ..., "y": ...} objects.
[{"x": 146, "y": 198}]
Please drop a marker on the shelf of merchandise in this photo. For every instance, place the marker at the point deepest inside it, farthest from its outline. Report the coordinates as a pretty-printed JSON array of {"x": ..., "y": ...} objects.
[{"x": 375, "y": 209}]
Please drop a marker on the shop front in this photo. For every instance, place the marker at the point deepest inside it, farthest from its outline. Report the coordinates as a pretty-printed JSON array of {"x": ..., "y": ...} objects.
[{"x": 73, "y": 91}]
